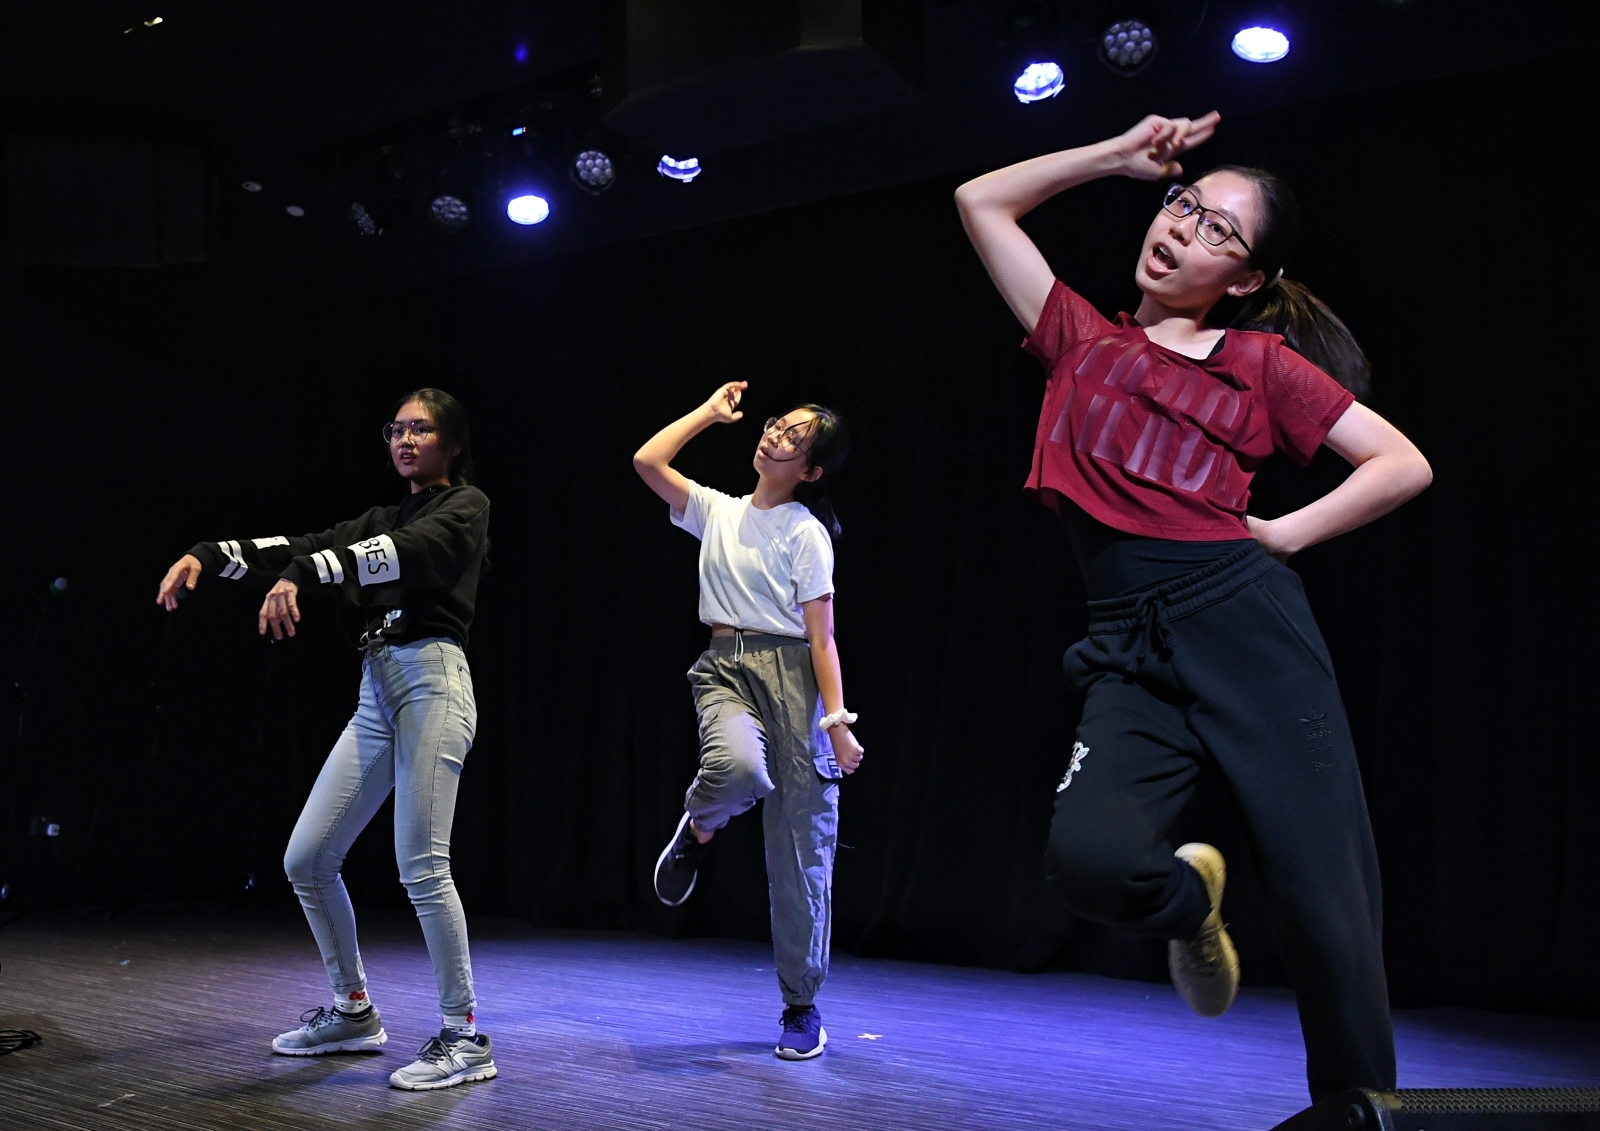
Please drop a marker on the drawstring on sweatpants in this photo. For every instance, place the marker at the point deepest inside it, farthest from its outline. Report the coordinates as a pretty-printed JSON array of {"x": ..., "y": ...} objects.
[
  {"x": 1156, "y": 632},
  {"x": 738, "y": 644}
]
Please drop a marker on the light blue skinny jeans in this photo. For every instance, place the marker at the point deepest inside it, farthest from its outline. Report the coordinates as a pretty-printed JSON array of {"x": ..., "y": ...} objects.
[{"x": 410, "y": 734}]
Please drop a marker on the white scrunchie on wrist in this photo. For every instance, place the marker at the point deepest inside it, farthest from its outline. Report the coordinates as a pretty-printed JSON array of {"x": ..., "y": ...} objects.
[{"x": 839, "y": 716}]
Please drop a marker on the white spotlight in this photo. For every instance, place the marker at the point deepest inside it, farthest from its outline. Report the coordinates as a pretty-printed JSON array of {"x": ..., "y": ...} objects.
[
  {"x": 528, "y": 209},
  {"x": 1039, "y": 81},
  {"x": 1260, "y": 45},
  {"x": 686, "y": 170}
]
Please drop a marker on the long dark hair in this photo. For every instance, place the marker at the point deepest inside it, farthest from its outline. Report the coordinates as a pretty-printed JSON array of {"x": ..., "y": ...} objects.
[
  {"x": 1283, "y": 306},
  {"x": 830, "y": 443},
  {"x": 451, "y": 419}
]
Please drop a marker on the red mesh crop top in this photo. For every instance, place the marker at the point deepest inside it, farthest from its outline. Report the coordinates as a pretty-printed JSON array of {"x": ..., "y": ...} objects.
[{"x": 1155, "y": 443}]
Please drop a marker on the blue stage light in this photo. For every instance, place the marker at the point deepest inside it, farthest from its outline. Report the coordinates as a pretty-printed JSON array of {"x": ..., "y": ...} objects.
[
  {"x": 686, "y": 170},
  {"x": 1260, "y": 45},
  {"x": 518, "y": 131},
  {"x": 1039, "y": 80},
  {"x": 528, "y": 209}
]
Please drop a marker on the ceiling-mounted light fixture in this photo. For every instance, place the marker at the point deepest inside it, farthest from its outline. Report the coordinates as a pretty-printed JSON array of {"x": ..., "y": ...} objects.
[
  {"x": 1039, "y": 81},
  {"x": 593, "y": 171},
  {"x": 1260, "y": 45},
  {"x": 683, "y": 171},
  {"x": 1127, "y": 47},
  {"x": 527, "y": 209}
]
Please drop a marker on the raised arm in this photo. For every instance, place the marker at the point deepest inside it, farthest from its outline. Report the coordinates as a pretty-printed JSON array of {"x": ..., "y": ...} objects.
[
  {"x": 991, "y": 205},
  {"x": 653, "y": 462},
  {"x": 1388, "y": 471}
]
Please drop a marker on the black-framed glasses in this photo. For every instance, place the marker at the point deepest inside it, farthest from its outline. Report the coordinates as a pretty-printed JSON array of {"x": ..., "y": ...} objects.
[
  {"x": 789, "y": 437},
  {"x": 1216, "y": 229},
  {"x": 396, "y": 430}
]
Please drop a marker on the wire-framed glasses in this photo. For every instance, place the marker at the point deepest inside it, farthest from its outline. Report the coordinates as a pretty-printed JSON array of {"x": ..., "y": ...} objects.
[
  {"x": 1212, "y": 226},
  {"x": 789, "y": 437},
  {"x": 396, "y": 430}
]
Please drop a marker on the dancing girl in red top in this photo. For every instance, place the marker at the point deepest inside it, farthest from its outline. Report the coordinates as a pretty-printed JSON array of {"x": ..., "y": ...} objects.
[{"x": 1201, "y": 646}]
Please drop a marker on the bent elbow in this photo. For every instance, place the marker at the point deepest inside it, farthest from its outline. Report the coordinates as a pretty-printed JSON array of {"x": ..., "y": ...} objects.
[
  {"x": 968, "y": 197},
  {"x": 1421, "y": 475}
]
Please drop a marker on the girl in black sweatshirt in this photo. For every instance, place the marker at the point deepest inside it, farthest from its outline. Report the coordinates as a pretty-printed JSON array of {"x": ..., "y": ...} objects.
[{"x": 406, "y": 579}]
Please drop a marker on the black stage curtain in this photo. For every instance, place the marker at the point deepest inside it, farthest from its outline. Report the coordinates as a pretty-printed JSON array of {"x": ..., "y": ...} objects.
[{"x": 1445, "y": 224}]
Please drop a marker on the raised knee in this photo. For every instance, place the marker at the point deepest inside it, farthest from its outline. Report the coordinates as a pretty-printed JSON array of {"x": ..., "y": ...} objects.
[
  {"x": 1098, "y": 877},
  {"x": 737, "y": 774}
]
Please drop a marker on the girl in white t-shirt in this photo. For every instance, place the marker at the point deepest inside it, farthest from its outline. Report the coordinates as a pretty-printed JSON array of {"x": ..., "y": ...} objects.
[{"x": 768, "y": 691}]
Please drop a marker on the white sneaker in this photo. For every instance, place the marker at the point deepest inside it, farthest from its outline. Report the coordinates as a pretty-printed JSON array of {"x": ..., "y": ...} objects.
[
  {"x": 445, "y": 1061},
  {"x": 329, "y": 1030},
  {"x": 1205, "y": 969}
]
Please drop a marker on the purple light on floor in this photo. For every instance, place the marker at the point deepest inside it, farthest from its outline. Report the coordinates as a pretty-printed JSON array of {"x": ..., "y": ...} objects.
[{"x": 521, "y": 53}]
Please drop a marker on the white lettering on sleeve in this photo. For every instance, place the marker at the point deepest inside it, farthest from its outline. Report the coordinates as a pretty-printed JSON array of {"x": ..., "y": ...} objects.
[{"x": 377, "y": 561}]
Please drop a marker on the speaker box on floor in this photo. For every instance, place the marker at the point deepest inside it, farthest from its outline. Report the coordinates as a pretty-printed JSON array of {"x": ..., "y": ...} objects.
[{"x": 1453, "y": 1109}]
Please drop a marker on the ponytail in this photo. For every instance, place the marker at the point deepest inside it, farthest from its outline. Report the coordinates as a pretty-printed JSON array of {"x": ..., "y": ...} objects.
[
  {"x": 815, "y": 497},
  {"x": 1284, "y": 306},
  {"x": 830, "y": 443},
  {"x": 1313, "y": 331}
]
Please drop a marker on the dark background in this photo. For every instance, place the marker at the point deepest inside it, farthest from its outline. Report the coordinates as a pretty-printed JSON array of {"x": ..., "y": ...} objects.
[{"x": 146, "y": 410}]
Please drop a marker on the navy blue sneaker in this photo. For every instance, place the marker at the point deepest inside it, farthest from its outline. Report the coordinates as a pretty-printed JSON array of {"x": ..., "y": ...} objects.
[{"x": 803, "y": 1034}]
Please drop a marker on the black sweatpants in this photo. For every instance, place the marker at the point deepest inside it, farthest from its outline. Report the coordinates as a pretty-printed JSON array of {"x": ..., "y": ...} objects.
[{"x": 1227, "y": 664}]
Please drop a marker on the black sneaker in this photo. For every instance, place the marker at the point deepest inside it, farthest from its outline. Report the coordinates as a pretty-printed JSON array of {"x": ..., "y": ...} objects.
[
  {"x": 678, "y": 866},
  {"x": 803, "y": 1034}
]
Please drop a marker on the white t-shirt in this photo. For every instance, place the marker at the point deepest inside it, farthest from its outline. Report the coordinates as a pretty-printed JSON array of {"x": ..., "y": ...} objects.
[{"x": 757, "y": 566}]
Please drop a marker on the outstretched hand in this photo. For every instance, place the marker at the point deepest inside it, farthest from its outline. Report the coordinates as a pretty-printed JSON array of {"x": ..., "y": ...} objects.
[
  {"x": 724, "y": 403},
  {"x": 1150, "y": 150},
  {"x": 280, "y": 610},
  {"x": 183, "y": 575}
]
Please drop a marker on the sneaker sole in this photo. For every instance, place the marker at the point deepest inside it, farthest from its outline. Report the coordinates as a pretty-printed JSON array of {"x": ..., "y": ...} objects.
[
  {"x": 1188, "y": 853},
  {"x": 486, "y": 1072},
  {"x": 655, "y": 877},
  {"x": 796, "y": 1054},
  {"x": 362, "y": 1044}
]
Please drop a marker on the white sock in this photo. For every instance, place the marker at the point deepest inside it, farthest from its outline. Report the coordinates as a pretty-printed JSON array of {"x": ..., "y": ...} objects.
[
  {"x": 356, "y": 1001},
  {"x": 461, "y": 1024}
]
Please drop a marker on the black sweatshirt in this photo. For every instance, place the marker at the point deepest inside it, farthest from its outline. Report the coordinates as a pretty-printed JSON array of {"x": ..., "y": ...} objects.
[{"x": 402, "y": 573}]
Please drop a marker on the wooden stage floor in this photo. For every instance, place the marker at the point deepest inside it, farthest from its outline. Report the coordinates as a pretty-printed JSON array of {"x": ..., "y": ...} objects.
[{"x": 161, "y": 1021}]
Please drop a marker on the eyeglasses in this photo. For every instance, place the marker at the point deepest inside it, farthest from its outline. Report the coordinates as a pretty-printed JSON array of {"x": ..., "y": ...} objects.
[
  {"x": 1213, "y": 227},
  {"x": 397, "y": 430},
  {"x": 791, "y": 436}
]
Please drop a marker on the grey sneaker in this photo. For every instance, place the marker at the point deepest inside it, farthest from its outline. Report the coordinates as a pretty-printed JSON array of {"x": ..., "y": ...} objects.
[
  {"x": 445, "y": 1061},
  {"x": 328, "y": 1030},
  {"x": 1205, "y": 969}
]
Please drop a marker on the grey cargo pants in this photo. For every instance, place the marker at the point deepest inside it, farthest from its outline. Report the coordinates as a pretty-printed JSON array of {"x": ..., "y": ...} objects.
[{"x": 756, "y": 695}]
